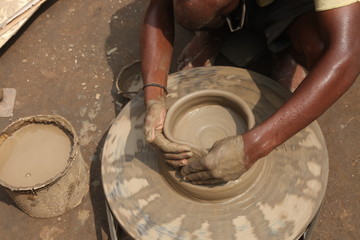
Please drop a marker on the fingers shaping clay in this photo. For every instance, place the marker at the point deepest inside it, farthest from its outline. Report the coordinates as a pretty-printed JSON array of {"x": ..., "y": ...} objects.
[
  {"x": 199, "y": 119},
  {"x": 278, "y": 202}
]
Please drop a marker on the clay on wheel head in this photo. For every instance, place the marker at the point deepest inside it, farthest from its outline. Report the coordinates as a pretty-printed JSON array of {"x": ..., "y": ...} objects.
[
  {"x": 277, "y": 202},
  {"x": 199, "y": 119}
]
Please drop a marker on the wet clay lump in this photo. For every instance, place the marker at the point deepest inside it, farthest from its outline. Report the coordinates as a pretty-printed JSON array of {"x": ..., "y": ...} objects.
[{"x": 34, "y": 154}]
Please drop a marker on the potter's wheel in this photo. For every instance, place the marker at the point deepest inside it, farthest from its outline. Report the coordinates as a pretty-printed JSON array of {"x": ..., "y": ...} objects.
[{"x": 280, "y": 203}]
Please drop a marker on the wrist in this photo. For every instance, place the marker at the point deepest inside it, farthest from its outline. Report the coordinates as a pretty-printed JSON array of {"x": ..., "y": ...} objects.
[
  {"x": 256, "y": 145},
  {"x": 152, "y": 93}
]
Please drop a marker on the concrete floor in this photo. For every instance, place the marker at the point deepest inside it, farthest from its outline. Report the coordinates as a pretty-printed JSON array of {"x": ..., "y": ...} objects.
[{"x": 65, "y": 60}]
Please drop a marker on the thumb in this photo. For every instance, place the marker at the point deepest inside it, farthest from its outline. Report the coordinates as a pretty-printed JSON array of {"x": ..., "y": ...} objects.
[{"x": 149, "y": 134}]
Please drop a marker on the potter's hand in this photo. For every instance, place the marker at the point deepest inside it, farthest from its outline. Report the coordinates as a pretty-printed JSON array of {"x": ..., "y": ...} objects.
[
  {"x": 175, "y": 154},
  {"x": 224, "y": 162}
]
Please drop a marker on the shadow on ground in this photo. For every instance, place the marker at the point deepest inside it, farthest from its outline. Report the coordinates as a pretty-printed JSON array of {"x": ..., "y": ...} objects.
[
  {"x": 120, "y": 48},
  {"x": 96, "y": 191}
]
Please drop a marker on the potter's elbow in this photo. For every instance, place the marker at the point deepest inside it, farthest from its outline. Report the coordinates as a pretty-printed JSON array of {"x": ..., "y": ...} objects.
[
  {"x": 352, "y": 61},
  {"x": 346, "y": 59},
  {"x": 349, "y": 53},
  {"x": 354, "y": 57}
]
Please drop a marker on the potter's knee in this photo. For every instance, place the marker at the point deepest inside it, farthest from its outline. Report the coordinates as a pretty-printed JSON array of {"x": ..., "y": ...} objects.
[
  {"x": 313, "y": 51},
  {"x": 197, "y": 14}
]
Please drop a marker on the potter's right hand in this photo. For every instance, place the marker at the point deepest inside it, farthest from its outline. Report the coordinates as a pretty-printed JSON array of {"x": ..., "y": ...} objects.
[
  {"x": 224, "y": 162},
  {"x": 175, "y": 154}
]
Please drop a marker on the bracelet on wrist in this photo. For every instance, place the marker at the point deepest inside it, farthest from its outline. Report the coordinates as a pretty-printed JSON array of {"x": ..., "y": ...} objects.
[{"x": 155, "y": 85}]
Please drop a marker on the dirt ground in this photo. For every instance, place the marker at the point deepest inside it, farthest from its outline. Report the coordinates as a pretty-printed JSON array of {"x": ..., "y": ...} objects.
[{"x": 65, "y": 61}]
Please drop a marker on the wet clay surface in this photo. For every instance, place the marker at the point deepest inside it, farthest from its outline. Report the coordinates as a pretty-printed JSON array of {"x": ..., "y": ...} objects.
[
  {"x": 212, "y": 122},
  {"x": 33, "y": 155},
  {"x": 199, "y": 119},
  {"x": 65, "y": 61},
  {"x": 291, "y": 180},
  {"x": 203, "y": 117}
]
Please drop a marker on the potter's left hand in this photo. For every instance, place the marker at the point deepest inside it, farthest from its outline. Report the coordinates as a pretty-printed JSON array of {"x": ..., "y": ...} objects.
[
  {"x": 224, "y": 162},
  {"x": 175, "y": 154}
]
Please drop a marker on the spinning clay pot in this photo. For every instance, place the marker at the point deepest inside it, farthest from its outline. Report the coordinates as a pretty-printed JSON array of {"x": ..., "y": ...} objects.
[{"x": 199, "y": 120}]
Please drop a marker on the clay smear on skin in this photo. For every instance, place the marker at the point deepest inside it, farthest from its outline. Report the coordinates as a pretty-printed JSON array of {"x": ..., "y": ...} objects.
[{"x": 33, "y": 155}]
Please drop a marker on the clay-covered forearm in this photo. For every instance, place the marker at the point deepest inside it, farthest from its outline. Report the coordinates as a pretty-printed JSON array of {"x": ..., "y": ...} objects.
[
  {"x": 328, "y": 80},
  {"x": 157, "y": 46}
]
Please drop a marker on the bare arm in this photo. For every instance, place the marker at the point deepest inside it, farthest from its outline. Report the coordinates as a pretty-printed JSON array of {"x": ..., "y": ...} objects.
[
  {"x": 156, "y": 46},
  {"x": 327, "y": 81},
  {"x": 330, "y": 77},
  {"x": 156, "y": 50}
]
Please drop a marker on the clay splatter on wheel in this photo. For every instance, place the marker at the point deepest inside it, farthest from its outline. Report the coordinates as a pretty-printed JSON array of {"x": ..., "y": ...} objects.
[{"x": 279, "y": 200}]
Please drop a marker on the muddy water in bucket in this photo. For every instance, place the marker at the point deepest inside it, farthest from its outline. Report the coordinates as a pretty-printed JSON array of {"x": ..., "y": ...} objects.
[
  {"x": 34, "y": 154},
  {"x": 41, "y": 166}
]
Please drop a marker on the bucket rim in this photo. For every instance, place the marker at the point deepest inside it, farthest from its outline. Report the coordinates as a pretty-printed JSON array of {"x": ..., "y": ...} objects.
[{"x": 56, "y": 120}]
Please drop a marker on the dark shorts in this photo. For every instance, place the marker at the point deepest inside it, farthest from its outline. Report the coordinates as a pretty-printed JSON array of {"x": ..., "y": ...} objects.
[
  {"x": 264, "y": 29},
  {"x": 272, "y": 20}
]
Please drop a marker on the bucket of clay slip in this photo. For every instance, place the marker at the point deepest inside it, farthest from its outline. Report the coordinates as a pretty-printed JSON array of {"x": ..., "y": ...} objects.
[{"x": 41, "y": 167}]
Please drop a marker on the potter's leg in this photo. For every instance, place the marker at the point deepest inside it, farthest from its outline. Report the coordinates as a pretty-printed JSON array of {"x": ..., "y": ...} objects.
[
  {"x": 287, "y": 71},
  {"x": 307, "y": 44},
  {"x": 200, "y": 51},
  {"x": 207, "y": 19},
  {"x": 306, "y": 49}
]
